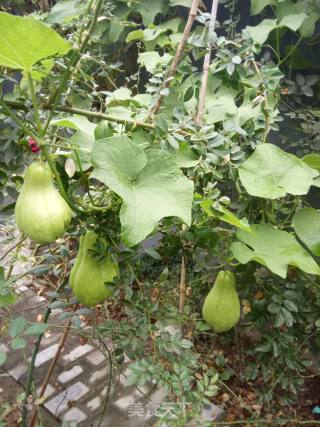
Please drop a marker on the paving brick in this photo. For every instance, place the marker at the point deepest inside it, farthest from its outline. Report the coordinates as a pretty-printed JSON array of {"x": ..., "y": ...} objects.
[
  {"x": 209, "y": 414},
  {"x": 36, "y": 299},
  {"x": 45, "y": 355},
  {"x": 77, "y": 352},
  {"x": 66, "y": 376},
  {"x": 21, "y": 288},
  {"x": 94, "y": 404},
  {"x": 18, "y": 371},
  {"x": 97, "y": 375},
  {"x": 96, "y": 358},
  {"x": 59, "y": 403},
  {"x": 125, "y": 402},
  {"x": 74, "y": 414}
]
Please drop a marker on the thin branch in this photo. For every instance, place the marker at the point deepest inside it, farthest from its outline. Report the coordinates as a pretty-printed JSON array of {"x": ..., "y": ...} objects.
[
  {"x": 50, "y": 370},
  {"x": 71, "y": 66},
  {"x": 33, "y": 359},
  {"x": 91, "y": 114},
  {"x": 13, "y": 247},
  {"x": 34, "y": 102},
  {"x": 178, "y": 55},
  {"x": 206, "y": 63},
  {"x": 183, "y": 283}
]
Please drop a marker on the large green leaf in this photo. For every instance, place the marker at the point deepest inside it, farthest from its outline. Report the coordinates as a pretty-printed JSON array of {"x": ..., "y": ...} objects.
[
  {"x": 293, "y": 21},
  {"x": 185, "y": 3},
  {"x": 271, "y": 173},
  {"x": 258, "y": 5},
  {"x": 259, "y": 33},
  {"x": 276, "y": 249},
  {"x": 306, "y": 223},
  {"x": 25, "y": 41},
  {"x": 83, "y": 138},
  {"x": 185, "y": 157},
  {"x": 65, "y": 10},
  {"x": 149, "y": 9},
  {"x": 150, "y": 184},
  {"x": 312, "y": 160}
]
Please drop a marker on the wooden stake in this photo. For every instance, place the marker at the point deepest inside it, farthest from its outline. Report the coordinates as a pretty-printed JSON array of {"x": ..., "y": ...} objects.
[
  {"x": 178, "y": 55},
  {"x": 206, "y": 64}
]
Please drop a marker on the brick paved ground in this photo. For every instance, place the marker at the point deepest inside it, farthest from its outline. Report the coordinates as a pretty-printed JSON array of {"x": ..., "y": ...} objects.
[{"x": 77, "y": 389}]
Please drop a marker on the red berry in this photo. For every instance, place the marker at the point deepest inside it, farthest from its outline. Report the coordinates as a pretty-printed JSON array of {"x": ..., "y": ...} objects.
[{"x": 33, "y": 145}]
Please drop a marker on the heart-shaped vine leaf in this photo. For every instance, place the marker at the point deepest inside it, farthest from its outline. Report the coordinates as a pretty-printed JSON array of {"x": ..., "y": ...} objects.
[
  {"x": 149, "y": 182},
  {"x": 271, "y": 173},
  {"x": 306, "y": 223},
  {"x": 26, "y": 41},
  {"x": 276, "y": 249}
]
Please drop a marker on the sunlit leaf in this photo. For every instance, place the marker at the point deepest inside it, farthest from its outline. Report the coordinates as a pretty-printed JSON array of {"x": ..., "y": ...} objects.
[
  {"x": 274, "y": 248},
  {"x": 149, "y": 182}
]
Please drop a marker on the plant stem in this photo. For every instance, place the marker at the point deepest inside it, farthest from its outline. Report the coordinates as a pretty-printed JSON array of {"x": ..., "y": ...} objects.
[
  {"x": 177, "y": 56},
  {"x": 93, "y": 115},
  {"x": 46, "y": 154},
  {"x": 13, "y": 247},
  {"x": 71, "y": 66},
  {"x": 34, "y": 103},
  {"x": 183, "y": 283},
  {"x": 291, "y": 51},
  {"x": 206, "y": 64},
  {"x": 33, "y": 359}
]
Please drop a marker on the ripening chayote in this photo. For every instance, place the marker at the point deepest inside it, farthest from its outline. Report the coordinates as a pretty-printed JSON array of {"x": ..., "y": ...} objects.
[
  {"x": 90, "y": 277},
  {"x": 221, "y": 308},
  {"x": 40, "y": 212}
]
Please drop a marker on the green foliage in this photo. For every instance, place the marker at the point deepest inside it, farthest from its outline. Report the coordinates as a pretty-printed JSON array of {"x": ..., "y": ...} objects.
[
  {"x": 27, "y": 41},
  {"x": 271, "y": 173},
  {"x": 273, "y": 248},
  {"x": 219, "y": 196},
  {"x": 306, "y": 222},
  {"x": 143, "y": 179}
]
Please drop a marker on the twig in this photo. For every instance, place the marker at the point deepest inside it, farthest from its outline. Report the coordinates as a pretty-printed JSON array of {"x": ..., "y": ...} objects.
[
  {"x": 110, "y": 380},
  {"x": 182, "y": 287},
  {"x": 91, "y": 114},
  {"x": 50, "y": 370},
  {"x": 71, "y": 66},
  {"x": 178, "y": 55},
  {"x": 13, "y": 247},
  {"x": 206, "y": 64},
  {"x": 183, "y": 283},
  {"x": 33, "y": 359}
]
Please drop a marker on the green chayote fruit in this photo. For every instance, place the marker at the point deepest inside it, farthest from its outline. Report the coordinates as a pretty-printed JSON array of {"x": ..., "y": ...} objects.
[
  {"x": 40, "y": 212},
  {"x": 89, "y": 277},
  {"x": 221, "y": 308}
]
